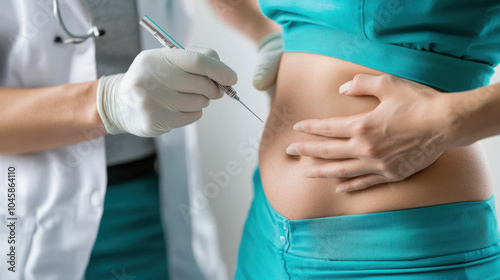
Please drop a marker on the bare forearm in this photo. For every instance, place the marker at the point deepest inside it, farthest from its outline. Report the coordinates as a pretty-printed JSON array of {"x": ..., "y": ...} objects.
[
  {"x": 476, "y": 114},
  {"x": 245, "y": 16},
  {"x": 46, "y": 118}
]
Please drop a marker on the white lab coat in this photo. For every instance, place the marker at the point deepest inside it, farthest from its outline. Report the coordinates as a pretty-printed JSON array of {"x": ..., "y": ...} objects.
[{"x": 60, "y": 192}]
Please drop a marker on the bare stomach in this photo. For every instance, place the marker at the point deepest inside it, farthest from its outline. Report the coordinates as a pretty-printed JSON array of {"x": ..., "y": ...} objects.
[{"x": 307, "y": 87}]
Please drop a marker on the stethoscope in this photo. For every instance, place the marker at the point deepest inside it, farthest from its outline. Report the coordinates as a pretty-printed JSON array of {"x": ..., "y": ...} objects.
[{"x": 76, "y": 39}]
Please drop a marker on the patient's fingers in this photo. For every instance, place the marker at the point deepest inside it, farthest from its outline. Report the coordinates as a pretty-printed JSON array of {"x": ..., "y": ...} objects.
[
  {"x": 362, "y": 182},
  {"x": 339, "y": 127},
  {"x": 327, "y": 149},
  {"x": 341, "y": 169}
]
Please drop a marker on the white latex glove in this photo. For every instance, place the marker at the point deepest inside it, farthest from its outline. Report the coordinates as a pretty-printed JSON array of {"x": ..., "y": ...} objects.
[
  {"x": 269, "y": 53},
  {"x": 163, "y": 89}
]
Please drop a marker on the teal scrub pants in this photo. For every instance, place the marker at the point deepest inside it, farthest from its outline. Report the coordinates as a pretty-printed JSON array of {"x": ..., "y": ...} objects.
[
  {"x": 451, "y": 241},
  {"x": 130, "y": 243}
]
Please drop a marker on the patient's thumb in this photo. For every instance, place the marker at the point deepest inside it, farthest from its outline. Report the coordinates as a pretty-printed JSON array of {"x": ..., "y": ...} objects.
[{"x": 361, "y": 84}]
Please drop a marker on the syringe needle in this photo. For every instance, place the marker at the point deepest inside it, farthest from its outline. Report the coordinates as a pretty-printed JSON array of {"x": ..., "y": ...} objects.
[{"x": 250, "y": 111}]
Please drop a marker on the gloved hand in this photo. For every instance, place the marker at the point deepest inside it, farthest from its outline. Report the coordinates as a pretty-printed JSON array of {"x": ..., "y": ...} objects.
[
  {"x": 163, "y": 89},
  {"x": 269, "y": 53}
]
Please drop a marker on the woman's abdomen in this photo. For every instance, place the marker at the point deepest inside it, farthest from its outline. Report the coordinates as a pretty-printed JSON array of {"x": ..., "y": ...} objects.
[{"x": 307, "y": 87}]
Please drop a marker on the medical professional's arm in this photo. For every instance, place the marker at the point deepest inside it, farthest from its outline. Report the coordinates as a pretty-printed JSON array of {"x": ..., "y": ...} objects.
[
  {"x": 245, "y": 16},
  {"x": 46, "y": 118},
  {"x": 162, "y": 90},
  {"x": 410, "y": 118}
]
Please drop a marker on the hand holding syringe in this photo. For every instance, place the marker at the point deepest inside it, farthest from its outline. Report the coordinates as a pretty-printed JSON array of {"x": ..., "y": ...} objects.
[{"x": 168, "y": 41}]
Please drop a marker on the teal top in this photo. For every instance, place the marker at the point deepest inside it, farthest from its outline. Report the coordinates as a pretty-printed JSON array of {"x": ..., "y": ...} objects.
[{"x": 449, "y": 44}]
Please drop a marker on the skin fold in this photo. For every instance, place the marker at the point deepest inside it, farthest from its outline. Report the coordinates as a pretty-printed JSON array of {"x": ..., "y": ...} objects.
[{"x": 308, "y": 88}]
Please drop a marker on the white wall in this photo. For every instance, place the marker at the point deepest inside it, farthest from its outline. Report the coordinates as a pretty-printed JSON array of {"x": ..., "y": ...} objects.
[{"x": 226, "y": 125}]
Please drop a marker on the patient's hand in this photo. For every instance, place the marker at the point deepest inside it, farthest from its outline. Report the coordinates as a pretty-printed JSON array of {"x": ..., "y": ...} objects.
[{"x": 404, "y": 134}]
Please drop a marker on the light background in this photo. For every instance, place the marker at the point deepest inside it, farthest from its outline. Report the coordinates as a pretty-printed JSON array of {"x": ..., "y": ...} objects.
[{"x": 226, "y": 128}]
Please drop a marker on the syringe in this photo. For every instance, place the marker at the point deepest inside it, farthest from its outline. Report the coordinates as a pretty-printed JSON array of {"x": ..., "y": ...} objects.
[{"x": 168, "y": 41}]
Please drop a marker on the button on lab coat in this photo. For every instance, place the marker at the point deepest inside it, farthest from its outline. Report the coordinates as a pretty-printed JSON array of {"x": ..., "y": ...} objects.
[{"x": 60, "y": 192}]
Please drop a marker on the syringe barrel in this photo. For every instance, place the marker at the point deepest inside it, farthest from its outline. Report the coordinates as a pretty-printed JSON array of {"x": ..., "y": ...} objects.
[{"x": 230, "y": 91}]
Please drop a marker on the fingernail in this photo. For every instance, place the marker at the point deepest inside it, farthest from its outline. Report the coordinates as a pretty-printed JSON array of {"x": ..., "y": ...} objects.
[
  {"x": 345, "y": 87},
  {"x": 310, "y": 174},
  {"x": 340, "y": 190},
  {"x": 298, "y": 127},
  {"x": 292, "y": 151}
]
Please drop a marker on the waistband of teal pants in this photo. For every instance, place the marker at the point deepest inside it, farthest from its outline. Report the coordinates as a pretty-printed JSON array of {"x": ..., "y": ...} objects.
[{"x": 408, "y": 234}]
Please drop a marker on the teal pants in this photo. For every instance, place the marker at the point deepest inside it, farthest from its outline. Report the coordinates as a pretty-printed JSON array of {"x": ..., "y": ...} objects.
[
  {"x": 130, "y": 243},
  {"x": 457, "y": 241}
]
